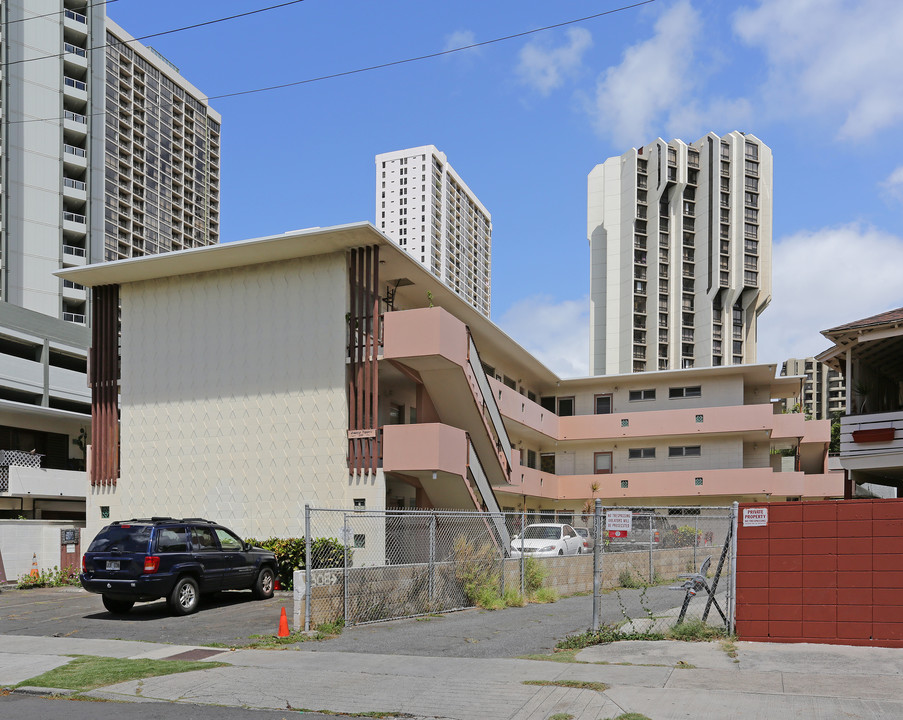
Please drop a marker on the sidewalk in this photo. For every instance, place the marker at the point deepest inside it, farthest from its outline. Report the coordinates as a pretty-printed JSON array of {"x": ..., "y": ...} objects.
[{"x": 662, "y": 680}]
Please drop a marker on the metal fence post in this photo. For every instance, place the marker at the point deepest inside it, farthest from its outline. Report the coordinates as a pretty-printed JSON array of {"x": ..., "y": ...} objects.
[
  {"x": 432, "y": 589},
  {"x": 345, "y": 566},
  {"x": 651, "y": 523},
  {"x": 523, "y": 577},
  {"x": 307, "y": 562},
  {"x": 597, "y": 564},
  {"x": 732, "y": 584}
]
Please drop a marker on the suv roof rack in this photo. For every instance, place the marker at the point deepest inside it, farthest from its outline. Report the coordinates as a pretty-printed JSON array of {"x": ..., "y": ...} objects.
[{"x": 198, "y": 520}]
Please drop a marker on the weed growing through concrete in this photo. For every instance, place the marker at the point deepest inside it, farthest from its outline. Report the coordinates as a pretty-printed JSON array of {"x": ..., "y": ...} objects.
[
  {"x": 691, "y": 630},
  {"x": 578, "y": 684},
  {"x": 561, "y": 716}
]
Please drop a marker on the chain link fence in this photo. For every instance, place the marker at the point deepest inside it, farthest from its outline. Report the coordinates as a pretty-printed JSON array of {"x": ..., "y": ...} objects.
[
  {"x": 666, "y": 565},
  {"x": 365, "y": 566}
]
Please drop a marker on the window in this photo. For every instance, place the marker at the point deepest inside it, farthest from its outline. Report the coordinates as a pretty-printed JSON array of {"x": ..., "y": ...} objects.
[
  {"x": 228, "y": 541},
  {"x": 172, "y": 540},
  {"x": 603, "y": 404},
  {"x": 202, "y": 540},
  {"x": 360, "y": 503},
  {"x": 641, "y": 453},
  {"x": 547, "y": 463},
  {"x": 360, "y": 540},
  {"x": 685, "y": 392},
  {"x": 565, "y": 406},
  {"x": 602, "y": 463},
  {"x": 685, "y": 451},
  {"x": 531, "y": 459},
  {"x": 636, "y": 395}
]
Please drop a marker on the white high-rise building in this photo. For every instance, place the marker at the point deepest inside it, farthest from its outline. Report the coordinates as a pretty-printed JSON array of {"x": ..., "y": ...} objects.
[
  {"x": 106, "y": 152},
  {"x": 680, "y": 243},
  {"x": 824, "y": 391},
  {"x": 424, "y": 206}
]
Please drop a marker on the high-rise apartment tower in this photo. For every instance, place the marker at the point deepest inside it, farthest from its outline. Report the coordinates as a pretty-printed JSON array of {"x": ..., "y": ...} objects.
[
  {"x": 824, "y": 391},
  {"x": 106, "y": 152},
  {"x": 424, "y": 206},
  {"x": 680, "y": 244}
]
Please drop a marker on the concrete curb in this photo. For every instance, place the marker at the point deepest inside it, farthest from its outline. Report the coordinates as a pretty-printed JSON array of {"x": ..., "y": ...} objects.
[{"x": 34, "y": 690}]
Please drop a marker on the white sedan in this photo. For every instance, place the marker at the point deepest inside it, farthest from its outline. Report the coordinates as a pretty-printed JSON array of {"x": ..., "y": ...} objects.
[{"x": 547, "y": 540}]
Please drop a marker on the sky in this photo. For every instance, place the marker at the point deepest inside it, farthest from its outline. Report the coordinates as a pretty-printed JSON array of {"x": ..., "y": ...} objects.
[{"x": 524, "y": 120}]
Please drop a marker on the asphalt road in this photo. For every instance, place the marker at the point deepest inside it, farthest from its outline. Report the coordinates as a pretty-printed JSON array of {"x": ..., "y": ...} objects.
[
  {"x": 24, "y": 707},
  {"x": 232, "y": 618}
]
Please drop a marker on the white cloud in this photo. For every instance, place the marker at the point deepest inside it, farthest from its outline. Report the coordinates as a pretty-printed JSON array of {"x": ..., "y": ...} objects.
[
  {"x": 634, "y": 99},
  {"x": 545, "y": 68},
  {"x": 836, "y": 56},
  {"x": 459, "y": 39},
  {"x": 557, "y": 333},
  {"x": 893, "y": 186},
  {"x": 827, "y": 278}
]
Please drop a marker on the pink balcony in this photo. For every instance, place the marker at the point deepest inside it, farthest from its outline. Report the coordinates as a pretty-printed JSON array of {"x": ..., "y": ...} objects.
[
  {"x": 424, "y": 333},
  {"x": 738, "y": 482}
]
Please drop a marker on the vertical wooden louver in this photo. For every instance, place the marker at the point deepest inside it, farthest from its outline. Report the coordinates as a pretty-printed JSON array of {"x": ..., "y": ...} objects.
[
  {"x": 363, "y": 347},
  {"x": 104, "y": 382}
]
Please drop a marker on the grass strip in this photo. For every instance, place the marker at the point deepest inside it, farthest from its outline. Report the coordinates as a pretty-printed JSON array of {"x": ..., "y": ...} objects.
[{"x": 87, "y": 672}]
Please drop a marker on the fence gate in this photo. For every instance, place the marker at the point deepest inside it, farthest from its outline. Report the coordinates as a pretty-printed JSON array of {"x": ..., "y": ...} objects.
[{"x": 665, "y": 565}]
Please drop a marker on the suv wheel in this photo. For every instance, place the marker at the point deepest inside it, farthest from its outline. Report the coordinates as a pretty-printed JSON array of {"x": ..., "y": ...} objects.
[
  {"x": 117, "y": 607},
  {"x": 184, "y": 598},
  {"x": 265, "y": 584}
]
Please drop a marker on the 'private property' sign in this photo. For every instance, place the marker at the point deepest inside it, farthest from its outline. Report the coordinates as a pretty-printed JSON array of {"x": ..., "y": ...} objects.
[{"x": 755, "y": 517}]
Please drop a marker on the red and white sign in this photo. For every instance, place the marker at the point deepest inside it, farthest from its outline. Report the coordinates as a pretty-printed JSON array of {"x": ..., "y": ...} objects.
[
  {"x": 755, "y": 517},
  {"x": 618, "y": 523}
]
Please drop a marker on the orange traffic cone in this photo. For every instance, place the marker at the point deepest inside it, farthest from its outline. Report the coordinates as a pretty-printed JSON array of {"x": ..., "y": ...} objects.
[
  {"x": 34, "y": 566},
  {"x": 283, "y": 625}
]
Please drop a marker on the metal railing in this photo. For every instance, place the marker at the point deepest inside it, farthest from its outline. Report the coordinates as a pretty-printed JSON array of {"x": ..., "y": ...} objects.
[
  {"x": 73, "y": 250},
  {"x": 72, "y": 150},
  {"x": 75, "y": 50}
]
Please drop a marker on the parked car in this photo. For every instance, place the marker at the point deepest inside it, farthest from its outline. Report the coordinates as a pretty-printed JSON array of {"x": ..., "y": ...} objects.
[
  {"x": 150, "y": 558},
  {"x": 588, "y": 541},
  {"x": 646, "y": 529},
  {"x": 546, "y": 540}
]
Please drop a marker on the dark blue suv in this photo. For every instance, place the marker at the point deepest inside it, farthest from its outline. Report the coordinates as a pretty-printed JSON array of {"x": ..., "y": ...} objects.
[{"x": 146, "y": 559}]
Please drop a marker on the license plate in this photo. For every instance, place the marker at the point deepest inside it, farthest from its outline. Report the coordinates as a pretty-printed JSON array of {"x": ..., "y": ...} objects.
[{"x": 112, "y": 564}]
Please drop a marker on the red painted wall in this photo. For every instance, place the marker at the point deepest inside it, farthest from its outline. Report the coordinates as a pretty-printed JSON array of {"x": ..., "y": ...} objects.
[{"x": 822, "y": 572}]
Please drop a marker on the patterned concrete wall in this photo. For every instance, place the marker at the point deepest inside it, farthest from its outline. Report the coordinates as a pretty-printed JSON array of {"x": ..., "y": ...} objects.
[
  {"x": 233, "y": 397},
  {"x": 822, "y": 572}
]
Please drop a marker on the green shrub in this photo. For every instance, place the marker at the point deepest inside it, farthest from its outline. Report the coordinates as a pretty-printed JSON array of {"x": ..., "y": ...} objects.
[
  {"x": 477, "y": 572},
  {"x": 291, "y": 555},
  {"x": 685, "y": 536},
  {"x": 54, "y": 577},
  {"x": 513, "y": 598},
  {"x": 544, "y": 595},
  {"x": 627, "y": 580},
  {"x": 534, "y": 575}
]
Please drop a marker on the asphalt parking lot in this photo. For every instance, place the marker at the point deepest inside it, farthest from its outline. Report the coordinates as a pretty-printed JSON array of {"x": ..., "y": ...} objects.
[
  {"x": 228, "y": 618},
  {"x": 232, "y": 618}
]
